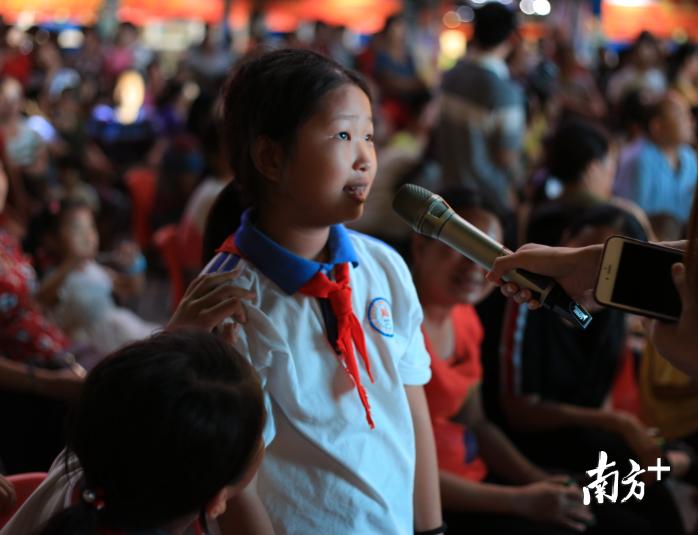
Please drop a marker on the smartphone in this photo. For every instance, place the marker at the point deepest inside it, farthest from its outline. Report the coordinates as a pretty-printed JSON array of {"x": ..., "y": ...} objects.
[{"x": 635, "y": 276}]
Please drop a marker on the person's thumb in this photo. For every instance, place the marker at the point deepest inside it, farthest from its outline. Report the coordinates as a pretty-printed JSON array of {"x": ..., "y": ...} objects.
[{"x": 678, "y": 273}]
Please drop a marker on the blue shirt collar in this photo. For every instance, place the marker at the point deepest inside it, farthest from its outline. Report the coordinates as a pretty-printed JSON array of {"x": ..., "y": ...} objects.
[{"x": 289, "y": 271}]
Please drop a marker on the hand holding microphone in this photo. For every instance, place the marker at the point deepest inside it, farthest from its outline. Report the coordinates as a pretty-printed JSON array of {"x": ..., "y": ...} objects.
[{"x": 428, "y": 214}]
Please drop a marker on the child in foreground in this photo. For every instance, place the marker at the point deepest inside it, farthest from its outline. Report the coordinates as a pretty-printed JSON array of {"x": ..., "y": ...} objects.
[
  {"x": 166, "y": 431},
  {"x": 334, "y": 327}
]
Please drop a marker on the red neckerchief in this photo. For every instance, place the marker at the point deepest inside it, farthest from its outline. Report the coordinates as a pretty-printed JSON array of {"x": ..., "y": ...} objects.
[{"x": 349, "y": 329}]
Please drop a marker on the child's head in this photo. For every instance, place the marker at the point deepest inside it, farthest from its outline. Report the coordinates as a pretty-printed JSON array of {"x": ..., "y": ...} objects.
[
  {"x": 298, "y": 130},
  {"x": 442, "y": 275},
  {"x": 74, "y": 230},
  {"x": 645, "y": 52},
  {"x": 65, "y": 229},
  {"x": 165, "y": 429},
  {"x": 599, "y": 223},
  {"x": 580, "y": 155}
]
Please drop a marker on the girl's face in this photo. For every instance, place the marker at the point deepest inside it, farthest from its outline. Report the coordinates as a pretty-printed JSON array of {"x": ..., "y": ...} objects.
[
  {"x": 600, "y": 174},
  {"x": 328, "y": 174},
  {"x": 447, "y": 278},
  {"x": 77, "y": 234}
]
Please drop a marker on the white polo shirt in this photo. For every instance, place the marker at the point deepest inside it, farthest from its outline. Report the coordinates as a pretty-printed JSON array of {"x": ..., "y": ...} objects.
[{"x": 325, "y": 470}]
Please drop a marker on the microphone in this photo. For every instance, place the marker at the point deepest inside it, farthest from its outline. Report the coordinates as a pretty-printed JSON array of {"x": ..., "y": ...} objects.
[{"x": 428, "y": 214}]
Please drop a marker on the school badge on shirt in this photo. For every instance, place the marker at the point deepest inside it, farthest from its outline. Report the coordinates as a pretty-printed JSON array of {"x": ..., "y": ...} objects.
[{"x": 380, "y": 316}]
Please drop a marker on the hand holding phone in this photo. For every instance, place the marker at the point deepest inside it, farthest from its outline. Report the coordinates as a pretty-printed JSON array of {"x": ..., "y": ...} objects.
[{"x": 635, "y": 277}]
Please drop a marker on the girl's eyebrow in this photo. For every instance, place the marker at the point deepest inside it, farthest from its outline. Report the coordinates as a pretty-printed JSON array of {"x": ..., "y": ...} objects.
[{"x": 349, "y": 116}]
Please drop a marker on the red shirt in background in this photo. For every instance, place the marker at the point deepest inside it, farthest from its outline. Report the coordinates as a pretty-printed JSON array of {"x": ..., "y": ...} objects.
[{"x": 452, "y": 382}]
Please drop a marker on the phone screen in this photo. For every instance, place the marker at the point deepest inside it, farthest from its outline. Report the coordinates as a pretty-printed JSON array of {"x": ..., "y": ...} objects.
[{"x": 644, "y": 281}]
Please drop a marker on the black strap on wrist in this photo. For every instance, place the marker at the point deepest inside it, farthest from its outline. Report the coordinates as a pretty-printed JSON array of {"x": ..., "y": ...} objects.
[{"x": 436, "y": 531}]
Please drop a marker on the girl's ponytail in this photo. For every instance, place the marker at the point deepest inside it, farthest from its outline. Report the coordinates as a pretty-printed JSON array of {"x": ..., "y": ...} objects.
[{"x": 223, "y": 219}]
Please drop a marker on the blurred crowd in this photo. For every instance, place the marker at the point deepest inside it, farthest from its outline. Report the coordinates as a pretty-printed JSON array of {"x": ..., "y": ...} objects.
[{"x": 113, "y": 159}]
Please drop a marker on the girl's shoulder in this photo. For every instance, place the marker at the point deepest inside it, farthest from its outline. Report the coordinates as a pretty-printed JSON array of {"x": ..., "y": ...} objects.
[{"x": 369, "y": 248}]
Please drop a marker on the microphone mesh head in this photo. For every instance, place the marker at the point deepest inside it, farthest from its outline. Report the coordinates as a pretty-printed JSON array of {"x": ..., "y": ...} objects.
[{"x": 410, "y": 202}]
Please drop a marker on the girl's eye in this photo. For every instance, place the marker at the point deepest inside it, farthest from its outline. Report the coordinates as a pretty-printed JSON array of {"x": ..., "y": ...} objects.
[
  {"x": 344, "y": 136},
  {"x": 369, "y": 138}
]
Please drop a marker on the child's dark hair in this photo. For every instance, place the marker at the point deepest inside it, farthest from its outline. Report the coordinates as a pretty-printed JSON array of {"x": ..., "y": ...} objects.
[
  {"x": 574, "y": 146},
  {"x": 270, "y": 95},
  {"x": 162, "y": 425},
  {"x": 608, "y": 215}
]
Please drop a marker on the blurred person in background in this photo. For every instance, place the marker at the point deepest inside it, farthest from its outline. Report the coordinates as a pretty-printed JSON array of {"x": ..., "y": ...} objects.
[
  {"x": 38, "y": 374},
  {"x": 642, "y": 72},
  {"x": 26, "y": 150},
  {"x": 487, "y": 485},
  {"x": 210, "y": 60},
  {"x": 401, "y": 88},
  {"x": 660, "y": 176},
  {"x": 558, "y": 380},
  {"x": 481, "y": 127},
  {"x": 79, "y": 292},
  {"x": 576, "y": 92}
]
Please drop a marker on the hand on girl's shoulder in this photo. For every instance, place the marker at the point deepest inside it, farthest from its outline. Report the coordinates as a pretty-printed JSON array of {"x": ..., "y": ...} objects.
[{"x": 211, "y": 299}]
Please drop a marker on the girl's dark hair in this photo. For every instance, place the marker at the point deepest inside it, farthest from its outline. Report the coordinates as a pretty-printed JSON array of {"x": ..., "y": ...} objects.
[
  {"x": 460, "y": 199},
  {"x": 49, "y": 221},
  {"x": 608, "y": 215},
  {"x": 270, "y": 94},
  {"x": 161, "y": 426},
  {"x": 573, "y": 147}
]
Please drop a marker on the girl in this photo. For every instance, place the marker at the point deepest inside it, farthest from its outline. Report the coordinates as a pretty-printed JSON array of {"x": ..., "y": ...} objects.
[
  {"x": 196, "y": 408},
  {"x": 79, "y": 290},
  {"x": 487, "y": 485},
  {"x": 334, "y": 328}
]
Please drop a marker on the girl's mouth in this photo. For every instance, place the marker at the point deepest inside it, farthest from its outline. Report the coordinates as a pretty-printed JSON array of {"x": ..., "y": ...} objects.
[{"x": 358, "y": 192}]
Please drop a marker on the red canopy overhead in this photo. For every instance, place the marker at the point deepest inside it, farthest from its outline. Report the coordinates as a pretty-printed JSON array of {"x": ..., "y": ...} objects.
[
  {"x": 79, "y": 11},
  {"x": 666, "y": 19},
  {"x": 281, "y": 15}
]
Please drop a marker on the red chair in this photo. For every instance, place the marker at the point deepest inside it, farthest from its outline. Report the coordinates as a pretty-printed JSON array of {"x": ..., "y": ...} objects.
[
  {"x": 24, "y": 485},
  {"x": 142, "y": 184},
  {"x": 625, "y": 393},
  {"x": 167, "y": 242}
]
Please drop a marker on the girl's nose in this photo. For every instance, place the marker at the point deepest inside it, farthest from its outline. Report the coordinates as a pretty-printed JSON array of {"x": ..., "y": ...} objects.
[
  {"x": 363, "y": 161},
  {"x": 362, "y": 165}
]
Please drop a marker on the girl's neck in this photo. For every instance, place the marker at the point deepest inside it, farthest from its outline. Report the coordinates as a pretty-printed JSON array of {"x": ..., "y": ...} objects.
[
  {"x": 671, "y": 152},
  {"x": 435, "y": 314},
  {"x": 305, "y": 241}
]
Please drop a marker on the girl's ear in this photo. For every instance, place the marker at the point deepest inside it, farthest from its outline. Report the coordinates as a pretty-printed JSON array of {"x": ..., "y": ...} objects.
[
  {"x": 268, "y": 158},
  {"x": 217, "y": 506}
]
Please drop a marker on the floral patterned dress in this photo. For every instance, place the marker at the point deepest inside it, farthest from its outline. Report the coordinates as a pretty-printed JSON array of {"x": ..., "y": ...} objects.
[{"x": 25, "y": 333}]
